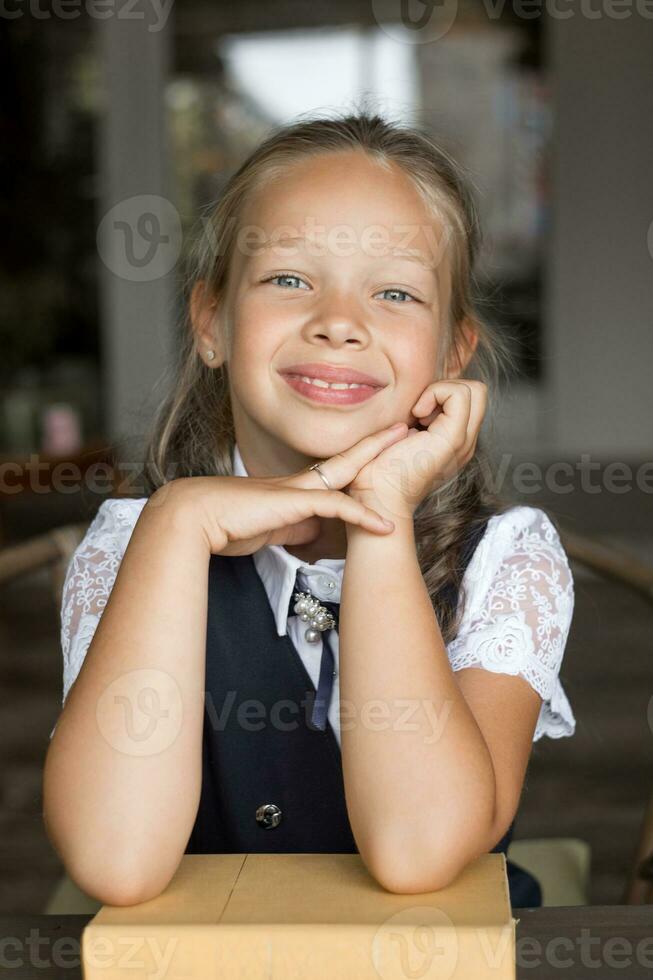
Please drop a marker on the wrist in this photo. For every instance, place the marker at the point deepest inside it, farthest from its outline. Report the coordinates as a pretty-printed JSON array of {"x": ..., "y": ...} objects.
[
  {"x": 401, "y": 517},
  {"x": 176, "y": 511},
  {"x": 398, "y": 511},
  {"x": 390, "y": 546}
]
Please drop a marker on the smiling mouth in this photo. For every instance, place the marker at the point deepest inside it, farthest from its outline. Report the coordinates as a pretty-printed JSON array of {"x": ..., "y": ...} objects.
[{"x": 330, "y": 393}]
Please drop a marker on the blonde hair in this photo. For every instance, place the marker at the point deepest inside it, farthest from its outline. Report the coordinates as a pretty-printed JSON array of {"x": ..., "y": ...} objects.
[{"x": 192, "y": 433}]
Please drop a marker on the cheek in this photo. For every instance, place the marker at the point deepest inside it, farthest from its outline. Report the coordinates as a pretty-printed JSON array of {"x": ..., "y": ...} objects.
[
  {"x": 415, "y": 362},
  {"x": 247, "y": 359},
  {"x": 261, "y": 324},
  {"x": 256, "y": 335},
  {"x": 415, "y": 366},
  {"x": 257, "y": 338}
]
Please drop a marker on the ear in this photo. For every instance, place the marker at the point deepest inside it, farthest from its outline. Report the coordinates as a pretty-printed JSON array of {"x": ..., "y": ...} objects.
[
  {"x": 204, "y": 316},
  {"x": 464, "y": 346}
]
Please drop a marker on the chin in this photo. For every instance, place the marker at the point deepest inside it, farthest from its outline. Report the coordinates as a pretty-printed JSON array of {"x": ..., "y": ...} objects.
[{"x": 323, "y": 444}]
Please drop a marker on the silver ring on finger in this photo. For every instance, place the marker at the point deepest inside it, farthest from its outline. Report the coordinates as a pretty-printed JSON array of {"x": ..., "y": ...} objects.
[{"x": 316, "y": 466}]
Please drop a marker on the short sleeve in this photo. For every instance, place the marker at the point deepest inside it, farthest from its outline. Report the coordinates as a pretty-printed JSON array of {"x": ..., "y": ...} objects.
[
  {"x": 89, "y": 579},
  {"x": 519, "y": 601}
]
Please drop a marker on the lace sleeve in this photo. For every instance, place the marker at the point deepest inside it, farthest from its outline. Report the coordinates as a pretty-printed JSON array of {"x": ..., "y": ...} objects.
[
  {"x": 89, "y": 579},
  {"x": 519, "y": 605}
]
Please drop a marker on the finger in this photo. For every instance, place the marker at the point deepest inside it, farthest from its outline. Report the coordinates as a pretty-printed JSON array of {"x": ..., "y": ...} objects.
[
  {"x": 425, "y": 403},
  {"x": 425, "y": 420},
  {"x": 335, "y": 503},
  {"x": 477, "y": 410},
  {"x": 427, "y": 408},
  {"x": 454, "y": 399},
  {"x": 342, "y": 468}
]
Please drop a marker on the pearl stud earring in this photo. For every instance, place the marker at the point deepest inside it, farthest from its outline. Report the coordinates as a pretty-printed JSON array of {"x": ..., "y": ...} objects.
[{"x": 210, "y": 354}]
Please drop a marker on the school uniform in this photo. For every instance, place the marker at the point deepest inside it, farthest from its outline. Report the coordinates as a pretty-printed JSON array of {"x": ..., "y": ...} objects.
[{"x": 271, "y": 782}]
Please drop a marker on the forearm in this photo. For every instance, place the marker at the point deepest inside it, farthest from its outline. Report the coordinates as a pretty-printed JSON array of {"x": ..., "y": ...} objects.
[
  {"x": 123, "y": 771},
  {"x": 418, "y": 775}
]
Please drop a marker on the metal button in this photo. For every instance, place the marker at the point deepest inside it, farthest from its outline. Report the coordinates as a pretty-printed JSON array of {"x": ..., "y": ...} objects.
[{"x": 268, "y": 815}]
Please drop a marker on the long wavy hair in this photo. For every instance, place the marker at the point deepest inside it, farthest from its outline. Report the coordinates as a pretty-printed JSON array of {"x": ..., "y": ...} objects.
[{"x": 192, "y": 433}]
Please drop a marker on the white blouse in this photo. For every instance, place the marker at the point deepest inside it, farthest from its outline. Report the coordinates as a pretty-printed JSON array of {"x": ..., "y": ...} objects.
[{"x": 518, "y": 611}]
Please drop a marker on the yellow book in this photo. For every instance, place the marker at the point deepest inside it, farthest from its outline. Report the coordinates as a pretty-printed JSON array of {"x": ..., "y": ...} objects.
[{"x": 309, "y": 917}]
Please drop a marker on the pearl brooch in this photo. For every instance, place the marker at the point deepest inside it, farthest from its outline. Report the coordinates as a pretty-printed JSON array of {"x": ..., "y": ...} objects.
[{"x": 310, "y": 610}]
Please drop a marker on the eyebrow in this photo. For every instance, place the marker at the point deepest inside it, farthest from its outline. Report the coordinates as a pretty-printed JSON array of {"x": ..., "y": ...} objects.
[{"x": 412, "y": 255}]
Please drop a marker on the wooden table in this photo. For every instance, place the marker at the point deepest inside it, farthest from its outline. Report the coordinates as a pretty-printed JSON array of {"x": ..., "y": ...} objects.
[{"x": 603, "y": 942}]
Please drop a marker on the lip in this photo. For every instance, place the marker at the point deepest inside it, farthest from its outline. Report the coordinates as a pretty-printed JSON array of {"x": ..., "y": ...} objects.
[
  {"x": 330, "y": 396},
  {"x": 334, "y": 373}
]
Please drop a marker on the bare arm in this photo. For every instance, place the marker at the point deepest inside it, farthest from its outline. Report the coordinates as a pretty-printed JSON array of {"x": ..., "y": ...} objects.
[
  {"x": 122, "y": 778},
  {"x": 433, "y": 765}
]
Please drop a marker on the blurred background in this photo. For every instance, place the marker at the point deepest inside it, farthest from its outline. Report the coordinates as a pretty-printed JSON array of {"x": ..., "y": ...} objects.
[{"x": 133, "y": 116}]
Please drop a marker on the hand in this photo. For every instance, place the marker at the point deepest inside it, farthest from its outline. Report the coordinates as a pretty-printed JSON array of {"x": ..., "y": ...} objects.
[
  {"x": 396, "y": 481},
  {"x": 238, "y": 515}
]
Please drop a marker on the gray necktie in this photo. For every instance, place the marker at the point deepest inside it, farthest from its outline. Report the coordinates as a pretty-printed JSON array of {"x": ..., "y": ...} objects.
[{"x": 315, "y": 614}]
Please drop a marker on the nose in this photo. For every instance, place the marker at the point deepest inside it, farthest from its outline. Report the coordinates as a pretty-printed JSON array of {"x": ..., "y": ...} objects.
[{"x": 338, "y": 324}]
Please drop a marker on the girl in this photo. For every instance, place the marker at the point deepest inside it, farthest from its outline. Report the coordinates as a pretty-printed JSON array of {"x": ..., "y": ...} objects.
[{"x": 201, "y": 712}]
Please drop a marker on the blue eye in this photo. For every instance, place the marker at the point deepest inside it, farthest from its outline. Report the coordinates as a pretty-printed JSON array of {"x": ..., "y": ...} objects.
[
  {"x": 401, "y": 292},
  {"x": 284, "y": 275},
  {"x": 292, "y": 276}
]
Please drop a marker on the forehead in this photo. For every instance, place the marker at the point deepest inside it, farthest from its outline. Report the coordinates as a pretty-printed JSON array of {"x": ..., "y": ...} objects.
[{"x": 377, "y": 208}]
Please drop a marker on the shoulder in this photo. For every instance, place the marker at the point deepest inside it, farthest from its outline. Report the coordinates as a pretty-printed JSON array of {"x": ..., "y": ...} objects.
[
  {"x": 110, "y": 530},
  {"x": 518, "y": 602},
  {"x": 522, "y": 524},
  {"x": 94, "y": 563},
  {"x": 117, "y": 515},
  {"x": 90, "y": 576},
  {"x": 520, "y": 560},
  {"x": 518, "y": 536}
]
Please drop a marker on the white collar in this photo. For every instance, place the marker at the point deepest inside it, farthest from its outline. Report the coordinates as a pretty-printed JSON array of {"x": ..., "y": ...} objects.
[{"x": 278, "y": 569}]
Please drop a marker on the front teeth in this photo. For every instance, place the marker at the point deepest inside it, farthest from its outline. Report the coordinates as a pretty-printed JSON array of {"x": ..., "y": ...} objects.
[{"x": 326, "y": 384}]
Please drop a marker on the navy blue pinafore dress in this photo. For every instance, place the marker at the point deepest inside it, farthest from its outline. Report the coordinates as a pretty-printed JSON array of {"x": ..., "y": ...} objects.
[{"x": 272, "y": 783}]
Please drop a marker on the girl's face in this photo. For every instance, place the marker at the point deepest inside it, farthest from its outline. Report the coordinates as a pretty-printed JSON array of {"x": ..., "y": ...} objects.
[{"x": 342, "y": 265}]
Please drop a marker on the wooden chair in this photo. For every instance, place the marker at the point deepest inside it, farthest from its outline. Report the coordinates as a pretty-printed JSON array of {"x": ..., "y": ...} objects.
[
  {"x": 636, "y": 575},
  {"x": 562, "y": 865},
  {"x": 51, "y": 550}
]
